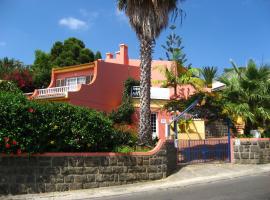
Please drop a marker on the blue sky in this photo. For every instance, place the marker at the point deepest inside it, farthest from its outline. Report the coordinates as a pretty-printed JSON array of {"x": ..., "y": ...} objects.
[{"x": 213, "y": 31}]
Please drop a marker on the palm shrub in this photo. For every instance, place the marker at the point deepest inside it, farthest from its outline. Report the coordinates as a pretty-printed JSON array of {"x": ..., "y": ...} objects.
[
  {"x": 247, "y": 95},
  {"x": 208, "y": 74}
]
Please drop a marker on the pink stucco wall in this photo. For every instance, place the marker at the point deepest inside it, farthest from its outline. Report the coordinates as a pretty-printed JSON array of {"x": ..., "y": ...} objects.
[{"x": 105, "y": 92}]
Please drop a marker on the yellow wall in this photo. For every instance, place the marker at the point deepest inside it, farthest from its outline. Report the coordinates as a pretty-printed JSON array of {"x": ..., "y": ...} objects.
[{"x": 196, "y": 131}]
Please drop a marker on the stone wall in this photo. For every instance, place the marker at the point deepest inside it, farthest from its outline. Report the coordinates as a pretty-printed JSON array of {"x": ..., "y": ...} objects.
[
  {"x": 251, "y": 151},
  {"x": 51, "y": 172}
]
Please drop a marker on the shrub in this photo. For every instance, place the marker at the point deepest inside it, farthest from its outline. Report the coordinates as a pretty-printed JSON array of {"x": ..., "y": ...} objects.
[
  {"x": 124, "y": 113},
  {"x": 8, "y": 86},
  {"x": 54, "y": 127}
]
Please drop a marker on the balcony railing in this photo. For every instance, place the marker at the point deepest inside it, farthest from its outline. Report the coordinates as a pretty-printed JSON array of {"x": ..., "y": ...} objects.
[
  {"x": 55, "y": 91},
  {"x": 155, "y": 92}
]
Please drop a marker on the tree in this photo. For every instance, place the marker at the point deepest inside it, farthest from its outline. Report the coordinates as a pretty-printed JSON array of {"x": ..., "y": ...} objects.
[
  {"x": 98, "y": 55},
  {"x": 208, "y": 74},
  {"x": 41, "y": 69},
  {"x": 148, "y": 18},
  {"x": 70, "y": 52},
  {"x": 247, "y": 95},
  {"x": 178, "y": 73},
  {"x": 15, "y": 71}
]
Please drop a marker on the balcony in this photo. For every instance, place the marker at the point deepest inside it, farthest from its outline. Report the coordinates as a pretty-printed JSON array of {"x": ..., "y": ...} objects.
[
  {"x": 55, "y": 92},
  {"x": 155, "y": 93}
]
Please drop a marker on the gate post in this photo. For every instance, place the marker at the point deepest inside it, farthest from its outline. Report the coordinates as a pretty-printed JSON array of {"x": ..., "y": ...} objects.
[
  {"x": 229, "y": 141},
  {"x": 176, "y": 134}
]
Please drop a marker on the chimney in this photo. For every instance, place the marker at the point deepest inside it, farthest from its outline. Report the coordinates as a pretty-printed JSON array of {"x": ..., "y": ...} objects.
[
  {"x": 123, "y": 54},
  {"x": 117, "y": 56},
  {"x": 109, "y": 56}
]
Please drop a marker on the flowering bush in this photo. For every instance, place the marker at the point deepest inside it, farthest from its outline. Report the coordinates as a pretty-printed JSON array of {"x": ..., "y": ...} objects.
[{"x": 29, "y": 126}]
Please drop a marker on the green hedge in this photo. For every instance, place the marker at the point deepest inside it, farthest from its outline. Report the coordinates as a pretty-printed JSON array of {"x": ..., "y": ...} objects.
[{"x": 30, "y": 126}]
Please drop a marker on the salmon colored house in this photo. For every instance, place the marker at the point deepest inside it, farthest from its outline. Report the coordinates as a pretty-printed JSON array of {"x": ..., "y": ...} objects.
[{"x": 99, "y": 85}]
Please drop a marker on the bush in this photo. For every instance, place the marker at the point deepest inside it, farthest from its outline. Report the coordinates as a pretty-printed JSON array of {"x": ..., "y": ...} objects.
[
  {"x": 124, "y": 113},
  {"x": 8, "y": 86},
  {"x": 54, "y": 127}
]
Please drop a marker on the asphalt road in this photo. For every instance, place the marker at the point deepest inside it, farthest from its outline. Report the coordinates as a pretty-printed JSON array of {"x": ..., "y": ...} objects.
[{"x": 256, "y": 187}]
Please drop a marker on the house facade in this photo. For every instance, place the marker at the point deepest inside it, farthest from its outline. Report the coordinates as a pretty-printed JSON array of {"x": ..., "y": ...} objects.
[{"x": 99, "y": 85}]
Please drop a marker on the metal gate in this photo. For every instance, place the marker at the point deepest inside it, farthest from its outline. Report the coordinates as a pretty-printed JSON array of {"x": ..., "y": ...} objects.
[{"x": 200, "y": 151}]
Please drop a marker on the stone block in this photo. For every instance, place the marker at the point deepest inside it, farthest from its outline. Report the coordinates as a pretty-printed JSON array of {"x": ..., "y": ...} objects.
[
  {"x": 139, "y": 160},
  {"x": 20, "y": 178},
  {"x": 152, "y": 168},
  {"x": 57, "y": 179},
  {"x": 90, "y": 185},
  {"x": 75, "y": 186},
  {"x": 61, "y": 187},
  {"x": 254, "y": 148},
  {"x": 244, "y": 155},
  {"x": 104, "y": 161},
  {"x": 146, "y": 162},
  {"x": 155, "y": 176},
  {"x": 127, "y": 177},
  {"x": 136, "y": 169},
  {"x": 51, "y": 170},
  {"x": 104, "y": 177},
  {"x": 105, "y": 170},
  {"x": 142, "y": 176},
  {"x": 69, "y": 179},
  {"x": 113, "y": 161},
  {"x": 119, "y": 169},
  {"x": 91, "y": 161},
  {"x": 90, "y": 170},
  {"x": 80, "y": 178},
  {"x": 50, "y": 187},
  {"x": 45, "y": 161},
  {"x": 261, "y": 144},
  {"x": 73, "y": 170},
  {"x": 59, "y": 162},
  {"x": 4, "y": 162},
  {"x": 30, "y": 179},
  {"x": 91, "y": 178},
  {"x": 155, "y": 161},
  {"x": 4, "y": 188},
  {"x": 76, "y": 161}
]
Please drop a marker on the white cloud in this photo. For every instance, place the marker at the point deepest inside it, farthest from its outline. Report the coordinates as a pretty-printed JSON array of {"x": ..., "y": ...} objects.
[
  {"x": 73, "y": 23},
  {"x": 2, "y": 44}
]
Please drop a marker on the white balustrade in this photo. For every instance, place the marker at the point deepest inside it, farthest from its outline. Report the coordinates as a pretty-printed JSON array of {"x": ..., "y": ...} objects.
[{"x": 56, "y": 91}]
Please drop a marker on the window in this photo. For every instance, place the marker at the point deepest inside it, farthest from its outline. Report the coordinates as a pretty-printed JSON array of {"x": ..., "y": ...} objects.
[
  {"x": 60, "y": 82},
  {"x": 76, "y": 80},
  {"x": 81, "y": 80},
  {"x": 154, "y": 124},
  {"x": 89, "y": 79}
]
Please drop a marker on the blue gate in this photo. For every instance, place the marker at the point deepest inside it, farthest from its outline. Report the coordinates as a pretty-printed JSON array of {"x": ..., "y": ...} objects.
[{"x": 200, "y": 151}]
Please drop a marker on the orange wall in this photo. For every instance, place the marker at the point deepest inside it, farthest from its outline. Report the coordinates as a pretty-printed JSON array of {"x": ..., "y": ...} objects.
[{"x": 105, "y": 92}]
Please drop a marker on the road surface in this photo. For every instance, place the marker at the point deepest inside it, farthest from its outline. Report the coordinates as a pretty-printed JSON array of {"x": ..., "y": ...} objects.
[{"x": 255, "y": 187}]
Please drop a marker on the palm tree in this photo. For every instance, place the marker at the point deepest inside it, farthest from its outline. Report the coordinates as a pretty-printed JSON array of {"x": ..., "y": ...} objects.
[
  {"x": 148, "y": 18},
  {"x": 208, "y": 74},
  {"x": 247, "y": 94}
]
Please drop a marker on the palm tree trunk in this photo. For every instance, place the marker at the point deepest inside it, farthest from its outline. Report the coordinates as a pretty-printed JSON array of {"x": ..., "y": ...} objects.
[{"x": 145, "y": 132}]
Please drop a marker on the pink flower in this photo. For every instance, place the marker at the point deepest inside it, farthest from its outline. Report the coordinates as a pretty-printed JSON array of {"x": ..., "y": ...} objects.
[{"x": 31, "y": 110}]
